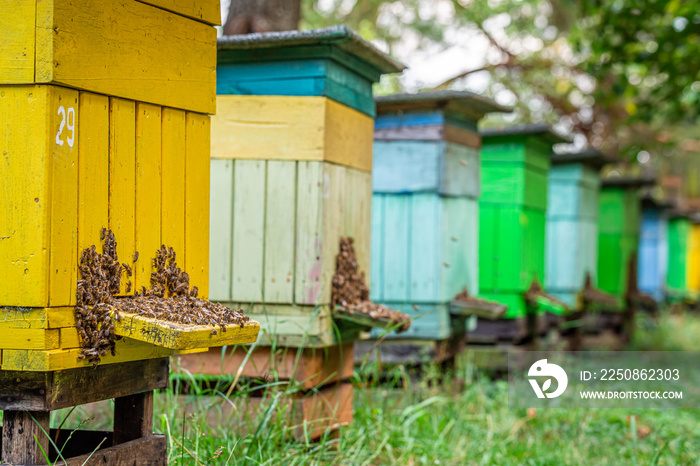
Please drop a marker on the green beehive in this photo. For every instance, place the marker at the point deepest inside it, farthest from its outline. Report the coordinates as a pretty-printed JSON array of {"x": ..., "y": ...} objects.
[
  {"x": 679, "y": 230},
  {"x": 513, "y": 205},
  {"x": 619, "y": 212}
]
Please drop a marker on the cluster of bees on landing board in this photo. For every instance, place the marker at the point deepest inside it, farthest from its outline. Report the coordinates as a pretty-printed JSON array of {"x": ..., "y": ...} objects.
[{"x": 169, "y": 298}]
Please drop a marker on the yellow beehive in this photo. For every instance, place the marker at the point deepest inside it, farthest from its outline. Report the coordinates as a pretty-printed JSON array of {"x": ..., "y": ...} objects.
[{"x": 103, "y": 123}]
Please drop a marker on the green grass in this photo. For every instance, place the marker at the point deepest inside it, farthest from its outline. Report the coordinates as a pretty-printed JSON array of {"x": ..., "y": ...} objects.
[{"x": 435, "y": 420}]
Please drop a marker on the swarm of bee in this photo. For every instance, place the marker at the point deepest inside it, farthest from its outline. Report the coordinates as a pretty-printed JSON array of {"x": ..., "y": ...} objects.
[
  {"x": 350, "y": 291},
  {"x": 169, "y": 298}
]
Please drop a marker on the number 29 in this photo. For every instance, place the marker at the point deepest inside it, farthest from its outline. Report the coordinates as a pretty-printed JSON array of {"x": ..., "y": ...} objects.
[{"x": 68, "y": 121}]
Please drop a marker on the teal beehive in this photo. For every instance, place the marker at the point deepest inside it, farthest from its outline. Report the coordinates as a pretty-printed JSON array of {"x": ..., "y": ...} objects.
[{"x": 425, "y": 207}]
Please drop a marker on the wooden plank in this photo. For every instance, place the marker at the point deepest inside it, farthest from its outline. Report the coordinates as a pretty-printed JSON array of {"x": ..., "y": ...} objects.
[
  {"x": 429, "y": 321},
  {"x": 291, "y": 128},
  {"x": 122, "y": 180},
  {"x": 357, "y": 222},
  {"x": 406, "y": 166},
  {"x": 47, "y": 391},
  {"x": 183, "y": 337},
  {"x": 694, "y": 259},
  {"x": 285, "y": 319},
  {"x": 459, "y": 244},
  {"x": 148, "y": 192},
  {"x": 17, "y": 55},
  {"x": 197, "y": 162},
  {"x": 151, "y": 450},
  {"x": 334, "y": 211},
  {"x": 173, "y": 181},
  {"x": 129, "y": 50},
  {"x": 133, "y": 417},
  {"x": 425, "y": 265},
  {"x": 24, "y": 437},
  {"x": 56, "y": 360},
  {"x": 396, "y": 261},
  {"x": 248, "y": 230},
  {"x": 93, "y": 169},
  {"x": 64, "y": 198},
  {"x": 280, "y": 212},
  {"x": 69, "y": 338},
  {"x": 434, "y": 132},
  {"x": 13, "y": 338},
  {"x": 220, "y": 233},
  {"x": 308, "y": 266},
  {"x": 460, "y": 173},
  {"x": 207, "y": 12},
  {"x": 26, "y": 140},
  {"x": 36, "y": 318},
  {"x": 310, "y": 367},
  {"x": 488, "y": 246},
  {"x": 376, "y": 283}
]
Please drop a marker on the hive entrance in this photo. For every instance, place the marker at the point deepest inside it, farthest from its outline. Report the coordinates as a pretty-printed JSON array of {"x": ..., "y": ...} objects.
[
  {"x": 169, "y": 298},
  {"x": 351, "y": 293}
]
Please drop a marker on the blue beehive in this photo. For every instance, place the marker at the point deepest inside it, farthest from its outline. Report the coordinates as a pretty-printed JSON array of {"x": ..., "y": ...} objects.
[
  {"x": 653, "y": 248},
  {"x": 571, "y": 244},
  {"x": 425, "y": 206}
]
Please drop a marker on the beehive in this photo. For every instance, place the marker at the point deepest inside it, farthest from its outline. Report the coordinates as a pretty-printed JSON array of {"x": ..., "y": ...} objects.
[
  {"x": 653, "y": 249},
  {"x": 619, "y": 214},
  {"x": 104, "y": 108},
  {"x": 425, "y": 206},
  {"x": 515, "y": 166},
  {"x": 679, "y": 230},
  {"x": 571, "y": 240},
  {"x": 291, "y": 174},
  {"x": 694, "y": 259}
]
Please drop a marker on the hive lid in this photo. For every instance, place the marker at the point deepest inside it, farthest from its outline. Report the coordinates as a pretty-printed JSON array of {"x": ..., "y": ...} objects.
[
  {"x": 460, "y": 102},
  {"x": 541, "y": 130},
  {"x": 591, "y": 157},
  {"x": 231, "y": 48}
]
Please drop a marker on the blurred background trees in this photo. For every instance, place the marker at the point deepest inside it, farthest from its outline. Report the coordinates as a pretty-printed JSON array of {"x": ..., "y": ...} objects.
[{"x": 622, "y": 75}]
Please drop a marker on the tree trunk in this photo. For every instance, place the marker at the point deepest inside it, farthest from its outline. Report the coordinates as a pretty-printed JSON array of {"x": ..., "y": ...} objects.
[{"x": 247, "y": 16}]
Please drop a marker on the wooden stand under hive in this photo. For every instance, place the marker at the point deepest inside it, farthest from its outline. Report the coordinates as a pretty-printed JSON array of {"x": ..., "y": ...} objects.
[
  {"x": 571, "y": 265},
  {"x": 425, "y": 215},
  {"x": 291, "y": 176},
  {"x": 619, "y": 207},
  {"x": 104, "y": 112},
  {"x": 515, "y": 167}
]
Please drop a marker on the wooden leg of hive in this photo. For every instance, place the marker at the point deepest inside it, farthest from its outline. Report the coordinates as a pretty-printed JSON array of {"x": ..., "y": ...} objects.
[
  {"x": 23, "y": 438},
  {"x": 133, "y": 417}
]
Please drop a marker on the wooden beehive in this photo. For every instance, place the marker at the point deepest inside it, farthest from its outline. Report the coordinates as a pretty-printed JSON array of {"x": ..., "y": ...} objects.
[
  {"x": 291, "y": 174},
  {"x": 104, "y": 112},
  {"x": 425, "y": 206},
  {"x": 571, "y": 241},
  {"x": 515, "y": 166},
  {"x": 653, "y": 249},
  {"x": 619, "y": 215},
  {"x": 679, "y": 228},
  {"x": 694, "y": 259}
]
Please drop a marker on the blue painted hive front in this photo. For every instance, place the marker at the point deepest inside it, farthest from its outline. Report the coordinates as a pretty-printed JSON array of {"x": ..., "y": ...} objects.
[
  {"x": 653, "y": 250},
  {"x": 571, "y": 243},
  {"x": 425, "y": 206}
]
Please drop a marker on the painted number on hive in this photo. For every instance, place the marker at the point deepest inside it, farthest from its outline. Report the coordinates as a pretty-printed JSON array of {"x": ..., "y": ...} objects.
[{"x": 67, "y": 122}]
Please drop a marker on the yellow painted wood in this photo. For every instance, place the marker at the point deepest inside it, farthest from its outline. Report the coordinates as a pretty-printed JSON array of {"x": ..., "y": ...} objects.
[
  {"x": 173, "y": 181},
  {"x": 36, "y": 318},
  {"x": 63, "y": 273},
  {"x": 148, "y": 191},
  {"x": 53, "y": 360},
  {"x": 693, "y": 275},
  {"x": 122, "y": 180},
  {"x": 197, "y": 162},
  {"x": 93, "y": 169},
  {"x": 291, "y": 128},
  {"x": 14, "y": 338},
  {"x": 184, "y": 337},
  {"x": 124, "y": 49},
  {"x": 69, "y": 338},
  {"x": 207, "y": 11},
  {"x": 17, "y": 52},
  {"x": 25, "y": 145}
]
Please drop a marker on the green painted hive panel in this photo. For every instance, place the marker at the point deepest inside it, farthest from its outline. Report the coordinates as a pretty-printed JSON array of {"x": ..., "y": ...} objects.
[
  {"x": 619, "y": 211},
  {"x": 678, "y": 237}
]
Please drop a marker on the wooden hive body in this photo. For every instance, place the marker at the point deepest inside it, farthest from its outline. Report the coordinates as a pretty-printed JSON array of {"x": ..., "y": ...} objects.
[
  {"x": 102, "y": 127},
  {"x": 618, "y": 237},
  {"x": 694, "y": 259},
  {"x": 679, "y": 230},
  {"x": 291, "y": 174},
  {"x": 571, "y": 239},
  {"x": 425, "y": 207},
  {"x": 653, "y": 252},
  {"x": 515, "y": 166}
]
